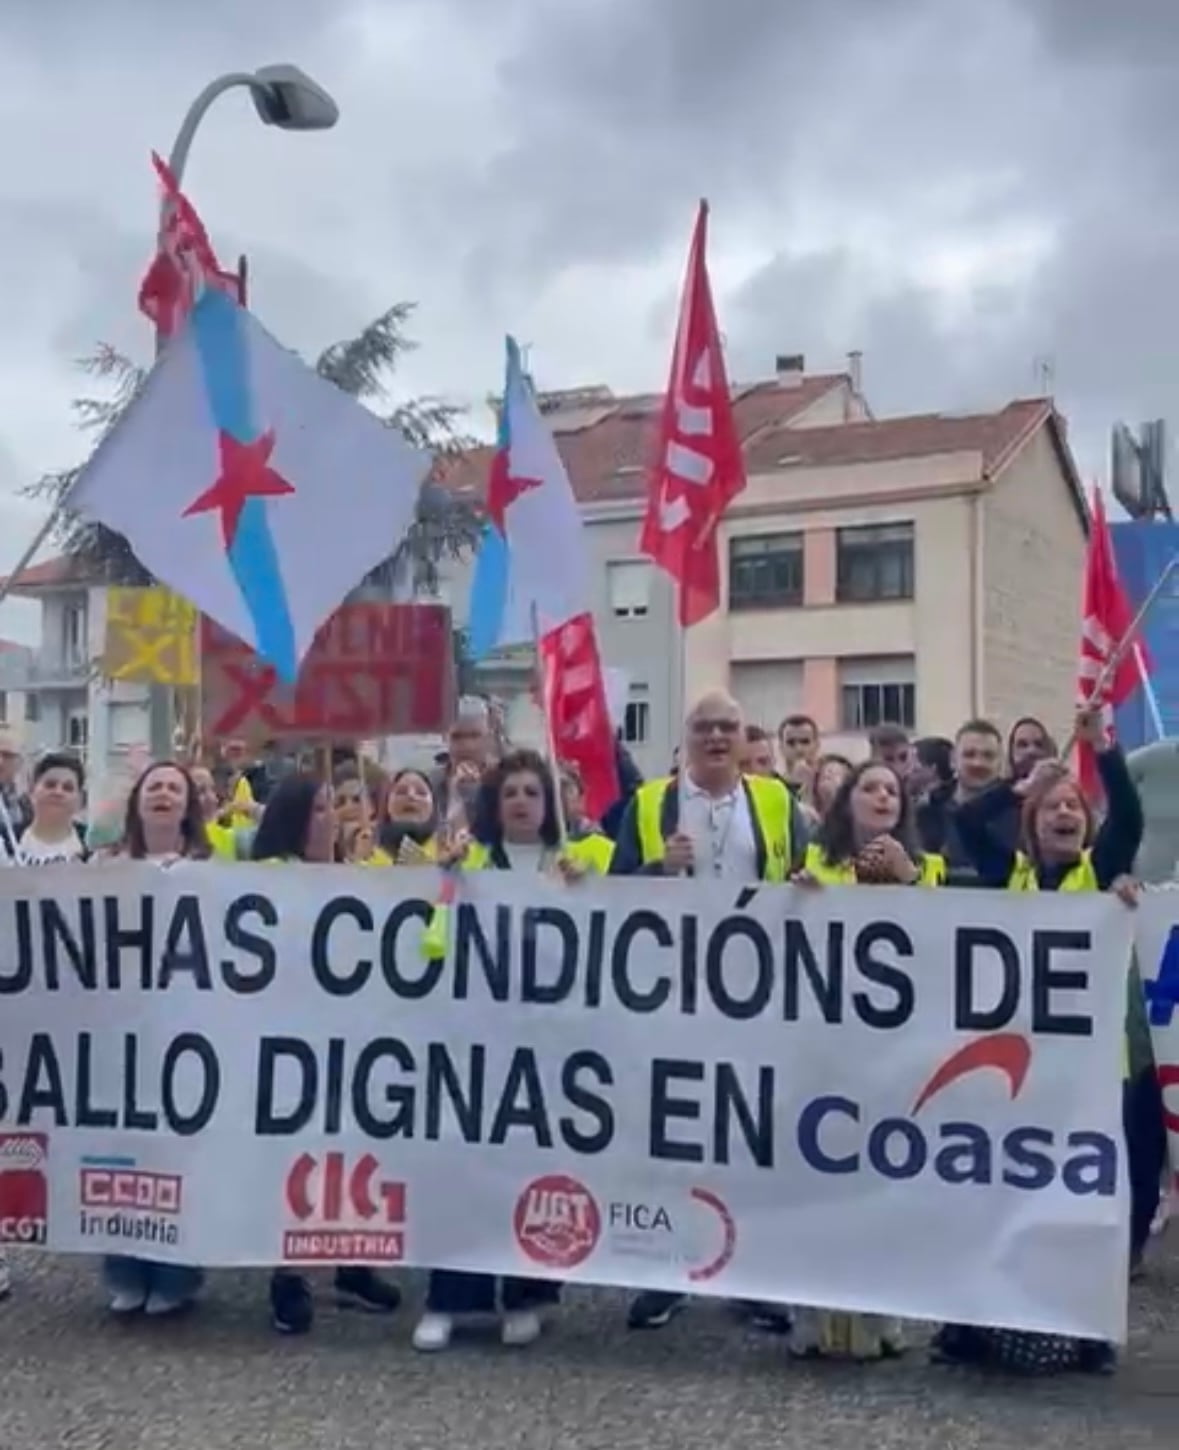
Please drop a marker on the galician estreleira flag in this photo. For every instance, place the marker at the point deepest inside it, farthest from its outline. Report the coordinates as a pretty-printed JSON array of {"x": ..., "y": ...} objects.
[{"x": 250, "y": 485}]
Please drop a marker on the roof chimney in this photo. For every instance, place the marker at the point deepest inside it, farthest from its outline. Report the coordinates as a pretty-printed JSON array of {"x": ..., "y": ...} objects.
[
  {"x": 855, "y": 371},
  {"x": 790, "y": 369}
]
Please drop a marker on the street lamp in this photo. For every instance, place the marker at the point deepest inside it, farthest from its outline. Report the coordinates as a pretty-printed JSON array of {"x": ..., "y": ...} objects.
[{"x": 283, "y": 96}]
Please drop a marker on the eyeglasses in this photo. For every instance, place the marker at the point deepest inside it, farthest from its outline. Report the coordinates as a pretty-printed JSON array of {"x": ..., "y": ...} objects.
[{"x": 701, "y": 726}]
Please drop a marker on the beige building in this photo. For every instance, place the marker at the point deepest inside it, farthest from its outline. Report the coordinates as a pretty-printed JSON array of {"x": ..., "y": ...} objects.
[{"x": 918, "y": 569}]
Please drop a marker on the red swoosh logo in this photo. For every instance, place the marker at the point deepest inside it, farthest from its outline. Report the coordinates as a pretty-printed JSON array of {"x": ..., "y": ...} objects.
[
  {"x": 729, "y": 1228},
  {"x": 1007, "y": 1052}
]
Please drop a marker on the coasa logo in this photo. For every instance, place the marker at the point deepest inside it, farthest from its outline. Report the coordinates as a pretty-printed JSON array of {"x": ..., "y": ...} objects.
[{"x": 837, "y": 1135}]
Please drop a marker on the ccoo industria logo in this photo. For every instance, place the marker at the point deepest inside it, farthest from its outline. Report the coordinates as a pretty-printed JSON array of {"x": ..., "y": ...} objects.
[{"x": 837, "y": 1135}]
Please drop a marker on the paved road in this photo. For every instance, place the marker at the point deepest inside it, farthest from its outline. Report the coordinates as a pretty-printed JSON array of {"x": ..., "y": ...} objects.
[{"x": 70, "y": 1378}]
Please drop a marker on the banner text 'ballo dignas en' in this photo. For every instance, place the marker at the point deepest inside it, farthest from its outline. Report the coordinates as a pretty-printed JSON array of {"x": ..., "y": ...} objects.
[
  {"x": 644, "y": 962},
  {"x": 818, "y": 1058}
]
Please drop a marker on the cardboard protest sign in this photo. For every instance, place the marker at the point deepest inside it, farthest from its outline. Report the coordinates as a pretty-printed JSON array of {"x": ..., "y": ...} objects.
[
  {"x": 150, "y": 637},
  {"x": 373, "y": 669}
]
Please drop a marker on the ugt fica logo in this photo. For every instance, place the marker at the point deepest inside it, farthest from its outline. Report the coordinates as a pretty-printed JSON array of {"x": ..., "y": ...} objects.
[
  {"x": 24, "y": 1192},
  {"x": 557, "y": 1221},
  {"x": 692, "y": 1231},
  {"x": 341, "y": 1210}
]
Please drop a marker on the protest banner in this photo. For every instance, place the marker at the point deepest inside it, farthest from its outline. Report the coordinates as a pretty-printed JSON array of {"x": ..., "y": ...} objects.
[
  {"x": 888, "y": 1100},
  {"x": 373, "y": 669},
  {"x": 1158, "y": 966},
  {"x": 150, "y": 637}
]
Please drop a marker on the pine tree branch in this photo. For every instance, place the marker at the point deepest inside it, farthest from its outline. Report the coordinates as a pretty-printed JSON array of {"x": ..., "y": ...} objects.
[{"x": 360, "y": 365}]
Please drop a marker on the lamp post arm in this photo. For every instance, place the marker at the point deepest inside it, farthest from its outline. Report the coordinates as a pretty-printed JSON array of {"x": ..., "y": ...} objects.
[{"x": 178, "y": 159}]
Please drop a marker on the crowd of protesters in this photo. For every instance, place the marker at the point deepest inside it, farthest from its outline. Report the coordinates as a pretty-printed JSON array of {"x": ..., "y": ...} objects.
[{"x": 739, "y": 802}]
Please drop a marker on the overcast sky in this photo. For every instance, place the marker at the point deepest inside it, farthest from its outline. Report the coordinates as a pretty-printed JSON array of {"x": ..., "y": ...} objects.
[{"x": 957, "y": 188}]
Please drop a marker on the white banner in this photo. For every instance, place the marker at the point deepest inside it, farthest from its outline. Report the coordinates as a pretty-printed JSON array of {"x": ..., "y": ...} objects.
[
  {"x": 890, "y": 1100},
  {"x": 1158, "y": 966}
]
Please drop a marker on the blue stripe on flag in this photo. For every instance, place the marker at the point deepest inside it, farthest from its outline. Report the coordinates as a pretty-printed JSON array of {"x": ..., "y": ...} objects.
[
  {"x": 254, "y": 561},
  {"x": 216, "y": 330},
  {"x": 489, "y": 595},
  {"x": 222, "y": 350}
]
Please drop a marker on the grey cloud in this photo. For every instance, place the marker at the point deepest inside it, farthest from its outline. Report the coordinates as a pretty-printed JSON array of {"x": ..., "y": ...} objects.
[{"x": 487, "y": 164}]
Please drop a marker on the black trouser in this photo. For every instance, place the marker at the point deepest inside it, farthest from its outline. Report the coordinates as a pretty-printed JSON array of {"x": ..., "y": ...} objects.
[
  {"x": 453, "y": 1291},
  {"x": 1146, "y": 1151}
]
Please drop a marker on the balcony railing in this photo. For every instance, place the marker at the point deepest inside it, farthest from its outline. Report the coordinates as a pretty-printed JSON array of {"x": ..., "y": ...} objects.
[{"x": 48, "y": 669}]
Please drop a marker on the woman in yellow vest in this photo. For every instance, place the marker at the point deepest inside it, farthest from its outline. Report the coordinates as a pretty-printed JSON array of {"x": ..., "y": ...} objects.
[
  {"x": 298, "y": 825},
  {"x": 222, "y": 838},
  {"x": 1060, "y": 849},
  {"x": 1060, "y": 852},
  {"x": 408, "y": 831},
  {"x": 516, "y": 827},
  {"x": 866, "y": 837}
]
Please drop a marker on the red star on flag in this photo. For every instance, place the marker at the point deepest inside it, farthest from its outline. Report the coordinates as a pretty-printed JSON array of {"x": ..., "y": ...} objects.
[
  {"x": 504, "y": 488},
  {"x": 245, "y": 473}
]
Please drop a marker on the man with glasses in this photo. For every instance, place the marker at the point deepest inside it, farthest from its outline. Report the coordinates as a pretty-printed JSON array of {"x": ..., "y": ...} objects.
[{"x": 713, "y": 822}]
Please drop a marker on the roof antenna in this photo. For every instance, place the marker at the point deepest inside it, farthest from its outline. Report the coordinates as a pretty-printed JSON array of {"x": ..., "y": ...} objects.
[{"x": 1045, "y": 373}]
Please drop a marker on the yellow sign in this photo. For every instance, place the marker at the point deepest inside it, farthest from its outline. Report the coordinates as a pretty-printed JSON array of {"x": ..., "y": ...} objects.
[{"x": 150, "y": 637}]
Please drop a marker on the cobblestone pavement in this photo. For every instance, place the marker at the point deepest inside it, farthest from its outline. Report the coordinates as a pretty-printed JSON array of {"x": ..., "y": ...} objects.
[{"x": 71, "y": 1378}]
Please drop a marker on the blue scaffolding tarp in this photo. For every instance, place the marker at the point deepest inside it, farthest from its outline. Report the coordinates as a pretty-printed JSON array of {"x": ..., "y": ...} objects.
[{"x": 1142, "y": 551}]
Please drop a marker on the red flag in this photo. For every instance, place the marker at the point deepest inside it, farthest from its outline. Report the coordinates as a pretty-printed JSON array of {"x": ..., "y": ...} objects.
[
  {"x": 699, "y": 468},
  {"x": 576, "y": 709},
  {"x": 1106, "y": 619},
  {"x": 184, "y": 263}
]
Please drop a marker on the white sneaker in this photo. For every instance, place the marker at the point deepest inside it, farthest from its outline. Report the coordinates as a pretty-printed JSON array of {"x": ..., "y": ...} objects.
[
  {"x": 127, "y": 1301},
  {"x": 520, "y": 1327},
  {"x": 432, "y": 1332},
  {"x": 5, "y": 1277},
  {"x": 159, "y": 1306}
]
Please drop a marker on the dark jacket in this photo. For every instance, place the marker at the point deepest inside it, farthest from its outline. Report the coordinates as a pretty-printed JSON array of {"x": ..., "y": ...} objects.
[
  {"x": 20, "y": 813},
  {"x": 938, "y": 832},
  {"x": 1114, "y": 847},
  {"x": 630, "y": 777}
]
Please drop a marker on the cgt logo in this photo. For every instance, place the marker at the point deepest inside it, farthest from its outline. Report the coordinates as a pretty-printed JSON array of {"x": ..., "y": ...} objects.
[
  {"x": 837, "y": 1136},
  {"x": 24, "y": 1194},
  {"x": 344, "y": 1212}
]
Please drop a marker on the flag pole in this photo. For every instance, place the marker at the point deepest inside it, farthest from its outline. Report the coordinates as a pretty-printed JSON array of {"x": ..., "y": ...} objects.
[
  {"x": 1123, "y": 647},
  {"x": 13, "y": 577},
  {"x": 549, "y": 739},
  {"x": 1150, "y": 693}
]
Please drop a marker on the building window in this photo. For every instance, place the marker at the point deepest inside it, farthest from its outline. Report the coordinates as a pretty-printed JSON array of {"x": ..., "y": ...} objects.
[
  {"x": 629, "y": 585},
  {"x": 881, "y": 703},
  {"x": 636, "y": 718},
  {"x": 875, "y": 562},
  {"x": 32, "y": 708},
  {"x": 77, "y": 731},
  {"x": 3, "y": 707},
  {"x": 73, "y": 635},
  {"x": 765, "y": 571}
]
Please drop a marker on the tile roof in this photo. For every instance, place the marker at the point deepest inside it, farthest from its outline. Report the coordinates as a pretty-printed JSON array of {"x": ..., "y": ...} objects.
[
  {"x": 13, "y": 646},
  {"x": 59, "y": 570},
  {"x": 995, "y": 436},
  {"x": 608, "y": 442}
]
